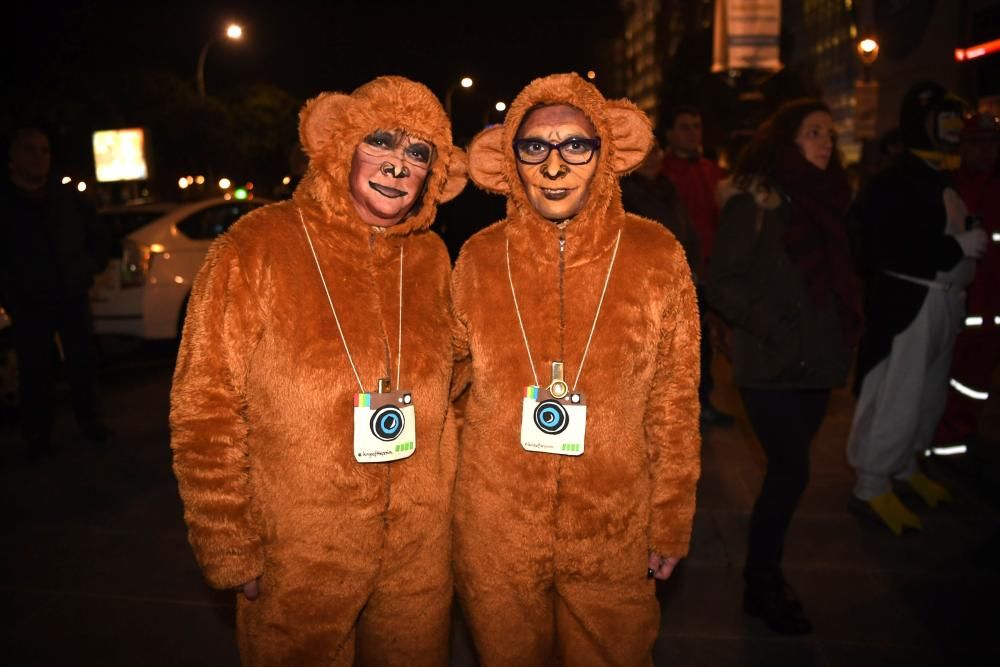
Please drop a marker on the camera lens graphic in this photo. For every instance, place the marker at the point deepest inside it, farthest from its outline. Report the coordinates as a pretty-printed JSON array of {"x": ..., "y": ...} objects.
[
  {"x": 551, "y": 417},
  {"x": 387, "y": 423}
]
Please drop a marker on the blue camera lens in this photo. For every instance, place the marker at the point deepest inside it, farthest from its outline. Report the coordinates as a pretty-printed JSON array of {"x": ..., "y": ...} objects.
[
  {"x": 551, "y": 417},
  {"x": 387, "y": 423}
]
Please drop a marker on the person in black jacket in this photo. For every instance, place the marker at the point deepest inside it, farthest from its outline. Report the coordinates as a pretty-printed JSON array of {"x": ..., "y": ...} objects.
[
  {"x": 647, "y": 192},
  {"x": 51, "y": 245},
  {"x": 917, "y": 254},
  {"x": 781, "y": 275}
]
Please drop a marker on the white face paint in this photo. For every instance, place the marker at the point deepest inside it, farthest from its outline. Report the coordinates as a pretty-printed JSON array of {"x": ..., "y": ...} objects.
[{"x": 387, "y": 176}]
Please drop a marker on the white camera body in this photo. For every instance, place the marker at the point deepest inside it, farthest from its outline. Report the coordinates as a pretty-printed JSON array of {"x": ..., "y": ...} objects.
[
  {"x": 553, "y": 425},
  {"x": 385, "y": 427}
]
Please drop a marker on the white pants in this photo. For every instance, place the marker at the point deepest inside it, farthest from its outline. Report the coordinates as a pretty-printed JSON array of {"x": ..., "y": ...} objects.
[{"x": 903, "y": 397}]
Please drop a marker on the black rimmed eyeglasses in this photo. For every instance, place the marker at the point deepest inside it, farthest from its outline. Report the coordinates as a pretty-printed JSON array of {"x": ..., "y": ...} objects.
[{"x": 575, "y": 150}]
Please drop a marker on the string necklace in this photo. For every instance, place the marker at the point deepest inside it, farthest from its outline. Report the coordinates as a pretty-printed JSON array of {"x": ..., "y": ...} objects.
[
  {"x": 600, "y": 304},
  {"x": 329, "y": 298}
]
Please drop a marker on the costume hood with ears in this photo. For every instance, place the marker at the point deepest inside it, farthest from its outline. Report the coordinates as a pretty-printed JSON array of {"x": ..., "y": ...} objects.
[
  {"x": 333, "y": 124},
  {"x": 551, "y": 552},
  {"x": 294, "y": 308},
  {"x": 626, "y": 137}
]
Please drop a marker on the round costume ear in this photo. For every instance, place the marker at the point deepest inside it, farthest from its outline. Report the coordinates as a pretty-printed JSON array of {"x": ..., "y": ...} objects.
[
  {"x": 319, "y": 117},
  {"x": 631, "y": 133},
  {"x": 456, "y": 175},
  {"x": 486, "y": 160}
]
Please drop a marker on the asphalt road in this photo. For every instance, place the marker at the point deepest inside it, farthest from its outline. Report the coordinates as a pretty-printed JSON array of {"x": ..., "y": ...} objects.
[{"x": 95, "y": 568}]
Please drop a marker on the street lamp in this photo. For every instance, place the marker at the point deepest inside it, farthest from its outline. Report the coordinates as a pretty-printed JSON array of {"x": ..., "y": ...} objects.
[
  {"x": 868, "y": 53},
  {"x": 866, "y": 102},
  {"x": 234, "y": 32},
  {"x": 464, "y": 82}
]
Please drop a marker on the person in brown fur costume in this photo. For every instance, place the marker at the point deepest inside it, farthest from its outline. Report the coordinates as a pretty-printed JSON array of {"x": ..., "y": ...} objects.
[
  {"x": 555, "y": 554},
  {"x": 298, "y": 312}
]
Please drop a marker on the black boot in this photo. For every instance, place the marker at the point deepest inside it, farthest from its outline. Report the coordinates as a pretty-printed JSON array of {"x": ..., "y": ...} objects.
[{"x": 772, "y": 600}]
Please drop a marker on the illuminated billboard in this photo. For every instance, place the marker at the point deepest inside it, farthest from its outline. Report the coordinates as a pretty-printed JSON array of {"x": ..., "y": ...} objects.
[{"x": 120, "y": 155}]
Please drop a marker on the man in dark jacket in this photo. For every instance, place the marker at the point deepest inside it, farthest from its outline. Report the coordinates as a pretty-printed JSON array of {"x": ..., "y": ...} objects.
[
  {"x": 647, "y": 192},
  {"x": 51, "y": 245},
  {"x": 918, "y": 256},
  {"x": 696, "y": 179}
]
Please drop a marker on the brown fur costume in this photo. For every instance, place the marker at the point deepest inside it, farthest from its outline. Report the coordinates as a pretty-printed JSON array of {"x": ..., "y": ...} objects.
[
  {"x": 551, "y": 551},
  {"x": 349, "y": 555}
]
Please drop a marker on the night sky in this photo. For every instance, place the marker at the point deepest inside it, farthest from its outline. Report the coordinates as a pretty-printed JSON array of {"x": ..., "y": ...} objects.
[{"x": 305, "y": 48}]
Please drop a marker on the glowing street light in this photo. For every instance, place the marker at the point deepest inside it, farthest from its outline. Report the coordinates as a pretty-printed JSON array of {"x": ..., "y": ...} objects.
[
  {"x": 224, "y": 183},
  {"x": 866, "y": 96},
  {"x": 182, "y": 183},
  {"x": 868, "y": 53},
  {"x": 591, "y": 74},
  {"x": 233, "y": 32},
  {"x": 81, "y": 186},
  {"x": 465, "y": 82},
  {"x": 868, "y": 50},
  {"x": 501, "y": 106},
  {"x": 66, "y": 180}
]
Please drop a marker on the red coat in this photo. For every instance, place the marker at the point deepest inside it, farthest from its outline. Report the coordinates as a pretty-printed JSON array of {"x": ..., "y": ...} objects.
[
  {"x": 696, "y": 182},
  {"x": 977, "y": 348},
  {"x": 981, "y": 193}
]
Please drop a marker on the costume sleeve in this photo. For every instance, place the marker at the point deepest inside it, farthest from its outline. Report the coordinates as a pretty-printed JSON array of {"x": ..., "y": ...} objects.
[
  {"x": 729, "y": 286},
  {"x": 208, "y": 423},
  {"x": 462, "y": 371},
  {"x": 671, "y": 421}
]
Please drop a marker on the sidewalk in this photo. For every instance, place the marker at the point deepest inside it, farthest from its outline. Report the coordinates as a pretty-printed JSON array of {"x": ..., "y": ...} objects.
[
  {"x": 874, "y": 599},
  {"x": 95, "y": 568}
]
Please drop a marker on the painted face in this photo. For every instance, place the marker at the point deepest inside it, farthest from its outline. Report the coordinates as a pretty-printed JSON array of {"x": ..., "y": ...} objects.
[
  {"x": 387, "y": 176},
  {"x": 815, "y": 138},
  {"x": 556, "y": 188},
  {"x": 684, "y": 137}
]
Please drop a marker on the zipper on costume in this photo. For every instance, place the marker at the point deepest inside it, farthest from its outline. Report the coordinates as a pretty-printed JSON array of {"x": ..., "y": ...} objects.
[
  {"x": 372, "y": 257},
  {"x": 562, "y": 294},
  {"x": 372, "y": 236},
  {"x": 562, "y": 355}
]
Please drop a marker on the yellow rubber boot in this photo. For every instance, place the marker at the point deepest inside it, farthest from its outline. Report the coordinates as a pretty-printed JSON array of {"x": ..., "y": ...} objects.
[
  {"x": 894, "y": 514},
  {"x": 929, "y": 491}
]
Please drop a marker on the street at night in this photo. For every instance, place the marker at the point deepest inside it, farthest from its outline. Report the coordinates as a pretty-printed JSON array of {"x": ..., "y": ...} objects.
[
  {"x": 619, "y": 333},
  {"x": 97, "y": 569}
]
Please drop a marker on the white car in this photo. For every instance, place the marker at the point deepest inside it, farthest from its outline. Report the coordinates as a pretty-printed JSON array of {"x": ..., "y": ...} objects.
[{"x": 144, "y": 290}]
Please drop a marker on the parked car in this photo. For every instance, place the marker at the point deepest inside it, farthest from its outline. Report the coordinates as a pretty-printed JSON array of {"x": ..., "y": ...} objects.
[{"x": 160, "y": 248}]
